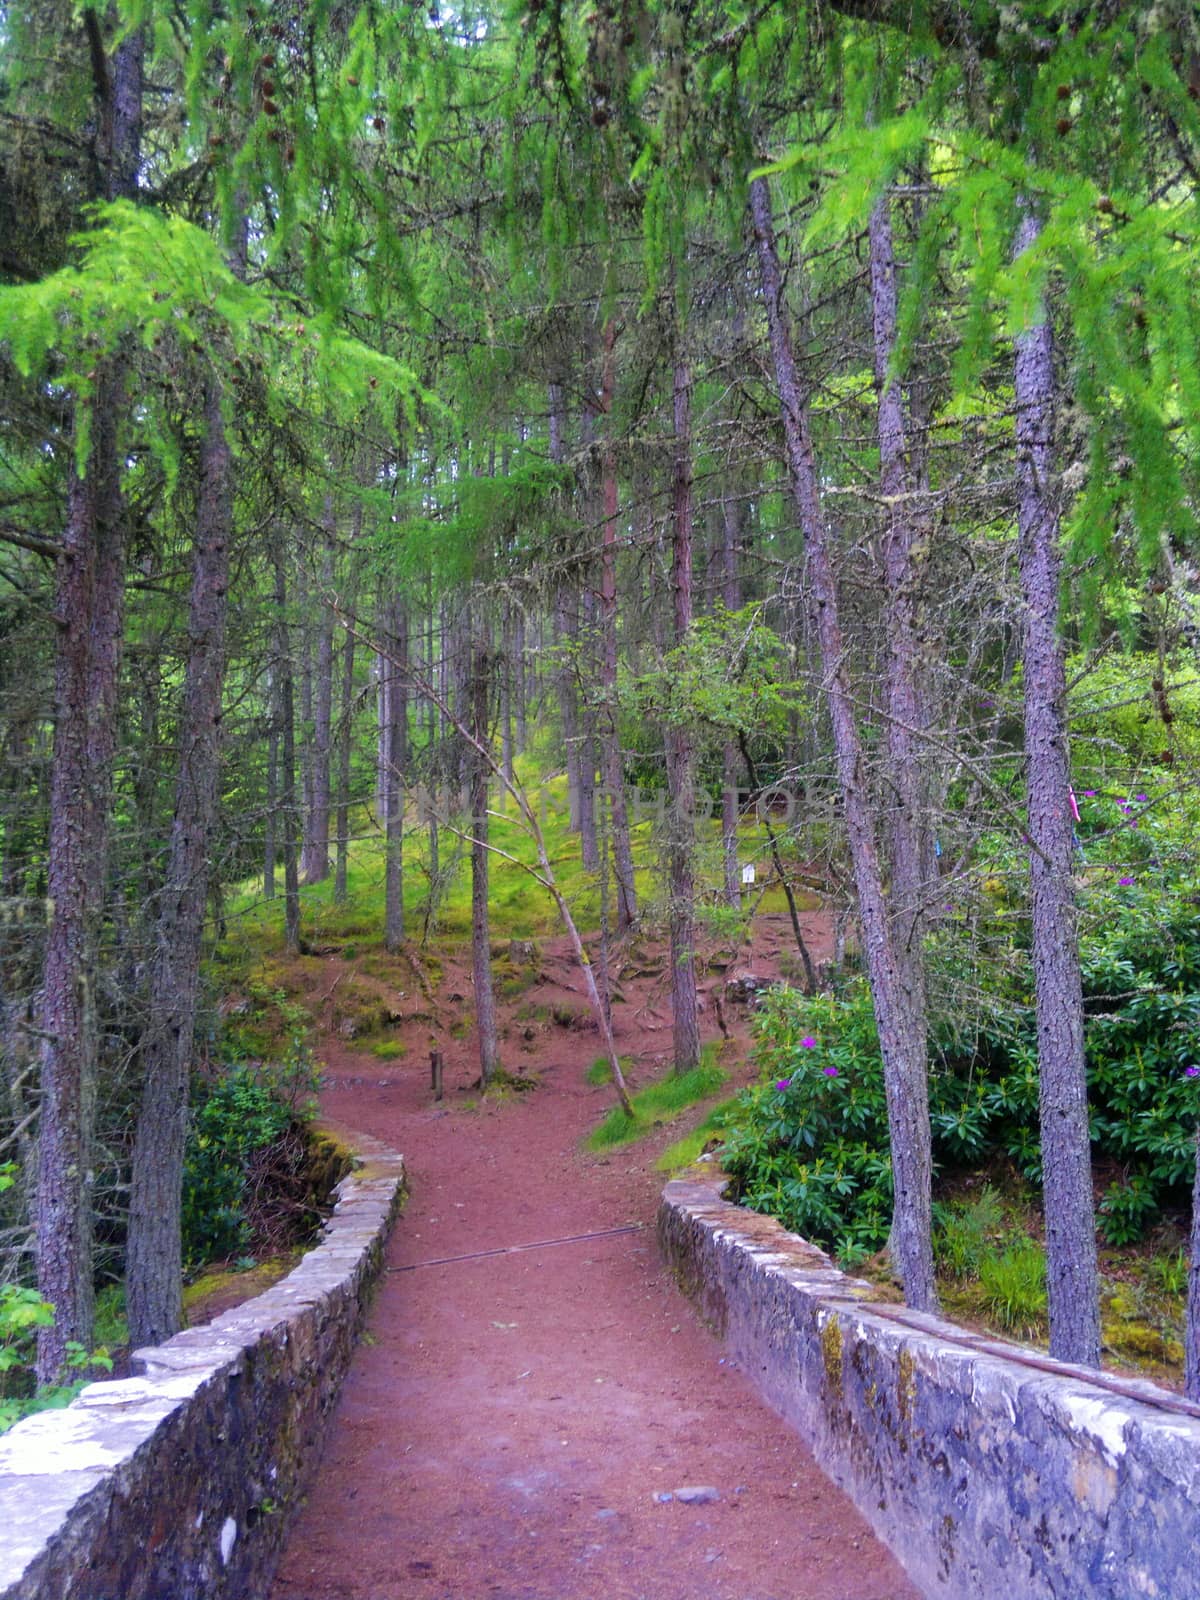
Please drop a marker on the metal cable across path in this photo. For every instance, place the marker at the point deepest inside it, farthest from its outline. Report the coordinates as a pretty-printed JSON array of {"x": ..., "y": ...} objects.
[{"x": 517, "y": 1249}]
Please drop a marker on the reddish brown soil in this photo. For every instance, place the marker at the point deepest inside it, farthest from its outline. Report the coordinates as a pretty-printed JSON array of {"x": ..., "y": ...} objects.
[{"x": 511, "y": 1420}]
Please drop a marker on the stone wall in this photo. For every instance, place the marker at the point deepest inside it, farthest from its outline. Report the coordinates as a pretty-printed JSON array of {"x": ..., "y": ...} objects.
[
  {"x": 992, "y": 1472},
  {"x": 177, "y": 1484}
]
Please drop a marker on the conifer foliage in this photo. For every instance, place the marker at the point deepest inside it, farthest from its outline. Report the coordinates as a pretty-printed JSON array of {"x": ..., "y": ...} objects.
[{"x": 708, "y": 400}]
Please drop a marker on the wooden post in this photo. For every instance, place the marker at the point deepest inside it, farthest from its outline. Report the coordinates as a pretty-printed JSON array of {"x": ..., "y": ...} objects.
[{"x": 435, "y": 1072}]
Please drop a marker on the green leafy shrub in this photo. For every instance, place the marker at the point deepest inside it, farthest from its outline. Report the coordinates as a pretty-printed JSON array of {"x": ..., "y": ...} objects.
[
  {"x": 22, "y": 1313},
  {"x": 810, "y": 1143},
  {"x": 239, "y": 1121}
]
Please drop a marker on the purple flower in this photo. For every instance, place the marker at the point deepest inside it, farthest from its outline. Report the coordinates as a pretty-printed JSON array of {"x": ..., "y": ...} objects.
[
  {"x": 1089, "y": 793},
  {"x": 808, "y": 1043},
  {"x": 830, "y": 1072},
  {"x": 1124, "y": 882},
  {"x": 1140, "y": 797},
  {"x": 784, "y": 1083},
  {"x": 1191, "y": 1072}
]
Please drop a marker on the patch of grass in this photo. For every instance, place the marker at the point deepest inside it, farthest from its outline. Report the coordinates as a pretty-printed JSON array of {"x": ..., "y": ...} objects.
[
  {"x": 600, "y": 1072},
  {"x": 658, "y": 1103},
  {"x": 965, "y": 1230},
  {"x": 1012, "y": 1286},
  {"x": 389, "y": 1050},
  {"x": 691, "y": 1147}
]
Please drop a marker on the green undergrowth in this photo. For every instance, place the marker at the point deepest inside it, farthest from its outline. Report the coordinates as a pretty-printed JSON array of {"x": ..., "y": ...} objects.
[
  {"x": 692, "y": 1146},
  {"x": 437, "y": 907},
  {"x": 659, "y": 1102}
]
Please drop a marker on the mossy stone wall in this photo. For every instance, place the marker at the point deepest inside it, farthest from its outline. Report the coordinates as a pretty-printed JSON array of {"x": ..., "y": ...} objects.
[
  {"x": 992, "y": 1472},
  {"x": 177, "y": 1484}
]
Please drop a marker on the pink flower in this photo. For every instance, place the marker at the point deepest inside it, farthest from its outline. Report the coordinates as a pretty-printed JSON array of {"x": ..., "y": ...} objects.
[
  {"x": 1191, "y": 1072},
  {"x": 830, "y": 1072},
  {"x": 784, "y": 1083},
  {"x": 808, "y": 1043},
  {"x": 1124, "y": 882}
]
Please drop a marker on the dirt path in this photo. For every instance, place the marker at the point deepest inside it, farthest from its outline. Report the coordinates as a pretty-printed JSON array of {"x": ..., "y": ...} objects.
[{"x": 516, "y": 1426}]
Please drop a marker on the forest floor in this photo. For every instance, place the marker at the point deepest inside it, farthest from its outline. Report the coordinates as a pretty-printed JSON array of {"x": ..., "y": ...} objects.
[{"x": 520, "y": 1425}]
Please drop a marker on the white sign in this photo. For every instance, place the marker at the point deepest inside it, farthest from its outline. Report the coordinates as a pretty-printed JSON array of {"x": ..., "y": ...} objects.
[{"x": 748, "y": 873}]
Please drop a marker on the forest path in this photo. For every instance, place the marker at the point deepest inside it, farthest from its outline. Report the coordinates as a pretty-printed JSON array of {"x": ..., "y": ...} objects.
[{"x": 511, "y": 1421}]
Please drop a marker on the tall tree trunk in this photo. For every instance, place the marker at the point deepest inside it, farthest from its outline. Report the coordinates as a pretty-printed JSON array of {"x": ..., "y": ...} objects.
[
  {"x": 89, "y": 615},
  {"x": 154, "y": 1276},
  {"x": 681, "y": 784},
  {"x": 520, "y": 683},
  {"x": 396, "y": 741},
  {"x": 316, "y": 845},
  {"x": 345, "y": 745},
  {"x": 906, "y": 703},
  {"x": 1072, "y": 1276},
  {"x": 589, "y": 848},
  {"x": 731, "y": 766},
  {"x": 903, "y": 1057},
  {"x": 506, "y": 699},
  {"x": 481, "y": 948},
  {"x": 287, "y": 764},
  {"x": 270, "y": 840},
  {"x": 610, "y": 732},
  {"x": 304, "y": 628},
  {"x": 566, "y": 618}
]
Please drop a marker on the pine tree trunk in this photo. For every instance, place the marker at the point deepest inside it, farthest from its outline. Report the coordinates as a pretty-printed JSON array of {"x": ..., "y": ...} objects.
[
  {"x": 681, "y": 786},
  {"x": 270, "y": 842},
  {"x": 316, "y": 848},
  {"x": 610, "y": 733},
  {"x": 731, "y": 764},
  {"x": 89, "y": 614},
  {"x": 906, "y": 702},
  {"x": 304, "y": 628},
  {"x": 154, "y": 1273},
  {"x": 589, "y": 850},
  {"x": 520, "y": 683},
  {"x": 481, "y": 948},
  {"x": 1072, "y": 1275},
  {"x": 287, "y": 764},
  {"x": 345, "y": 745},
  {"x": 903, "y": 1058},
  {"x": 395, "y": 736}
]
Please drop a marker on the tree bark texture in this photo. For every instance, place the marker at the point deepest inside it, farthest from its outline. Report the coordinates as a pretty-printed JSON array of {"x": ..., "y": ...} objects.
[
  {"x": 154, "y": 1275},
  {"x": 287, "y": 758},
  {"x": 316, "y": 845},
  {"x": 1072, "y": 1274},
  {"x": 681, "y": 783},
  {"x": 270, "y": 844},
  {"x": 610, "y": 733},
  {"x": 903, "y": 1057},
  {"x": 345, "y": 741},
  {"x": 906, "y": 702},
  {"x": 481, "y": 948},
  {"x": 731, "y": 596},
  {"x": 89, "y": 618},
  {"x": 395, "y": 682}
]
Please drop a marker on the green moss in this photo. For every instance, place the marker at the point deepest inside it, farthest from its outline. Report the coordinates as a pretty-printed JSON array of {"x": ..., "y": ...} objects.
[
  {"x": 658, "y": 1103},
  {"x": 693, "y": 1145},
  {"x": 832, "y": 1347},
  {"x": 389, "y": 1050}
]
